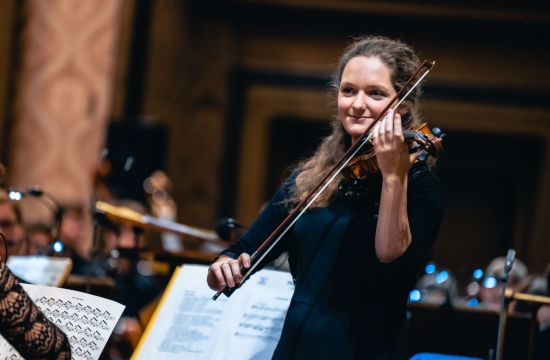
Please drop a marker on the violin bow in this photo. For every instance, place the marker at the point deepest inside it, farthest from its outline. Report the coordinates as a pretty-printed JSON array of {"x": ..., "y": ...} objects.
[{"x": 273, "y": 239}]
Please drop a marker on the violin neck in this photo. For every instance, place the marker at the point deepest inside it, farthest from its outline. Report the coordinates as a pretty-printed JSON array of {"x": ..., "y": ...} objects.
[{"x": 410, "y": 134}]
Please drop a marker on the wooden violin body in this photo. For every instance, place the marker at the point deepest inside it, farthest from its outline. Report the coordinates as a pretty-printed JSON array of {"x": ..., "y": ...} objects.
[{"x": 421, "y": 140}]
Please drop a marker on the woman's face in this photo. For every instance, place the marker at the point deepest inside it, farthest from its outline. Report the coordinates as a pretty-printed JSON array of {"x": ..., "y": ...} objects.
[{"x": 365, "y": 90}]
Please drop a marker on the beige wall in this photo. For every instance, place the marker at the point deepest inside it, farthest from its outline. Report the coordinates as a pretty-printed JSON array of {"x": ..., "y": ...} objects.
[{"x": 63, "y": 95}]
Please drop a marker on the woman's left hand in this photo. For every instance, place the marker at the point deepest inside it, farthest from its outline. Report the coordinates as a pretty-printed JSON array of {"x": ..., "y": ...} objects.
[{"x": 392, "y": 154}]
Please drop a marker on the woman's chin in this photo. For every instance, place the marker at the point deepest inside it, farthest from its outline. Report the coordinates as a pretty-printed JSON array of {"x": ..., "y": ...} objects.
[{"x": 356, "y": 131}]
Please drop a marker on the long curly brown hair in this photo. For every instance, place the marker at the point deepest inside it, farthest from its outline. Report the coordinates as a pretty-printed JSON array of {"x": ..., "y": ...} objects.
[{"x": 402, "y": 62}]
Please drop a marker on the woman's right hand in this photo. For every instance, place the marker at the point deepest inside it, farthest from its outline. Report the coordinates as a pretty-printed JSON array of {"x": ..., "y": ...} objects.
[
  {"x": 227, "y": 271},
  {"x": 392, "y": 154}
]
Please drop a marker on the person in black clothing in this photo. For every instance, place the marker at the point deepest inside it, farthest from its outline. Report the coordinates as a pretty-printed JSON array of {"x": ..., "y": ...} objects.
[{"x": 356, "y": 253}]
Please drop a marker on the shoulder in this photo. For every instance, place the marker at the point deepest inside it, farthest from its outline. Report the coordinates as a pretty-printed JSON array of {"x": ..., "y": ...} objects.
[
  {"x": 280, "y": 198},
  {"x": 287, "y": 186},
  {"x": 422, "y": 178},
  {"x": 290, "y": 181}
]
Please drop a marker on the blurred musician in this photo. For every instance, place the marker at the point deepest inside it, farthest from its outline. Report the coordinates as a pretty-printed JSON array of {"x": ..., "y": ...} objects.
[
  {"x": 12, "y": 228},
  {"x": 491, "y": 288},
  {"x": 39, "y": 239}
]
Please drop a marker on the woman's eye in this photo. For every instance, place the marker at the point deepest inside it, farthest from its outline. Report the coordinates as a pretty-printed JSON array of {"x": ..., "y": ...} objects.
[
  {"x": 347, "y": 91},
  {"x": 377, "y": 94}
]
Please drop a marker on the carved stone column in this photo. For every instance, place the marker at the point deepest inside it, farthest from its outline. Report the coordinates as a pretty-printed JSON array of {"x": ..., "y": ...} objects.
[
  {"x": 64, "y": 92},
  {"x": 66, "y": 68}
]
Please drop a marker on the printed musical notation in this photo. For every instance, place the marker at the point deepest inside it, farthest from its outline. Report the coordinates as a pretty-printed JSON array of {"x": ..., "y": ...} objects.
[
  {"x": 246, "y": 326},
  {"x": 87, "y": 320},
  {"x": 261, "y": 321}
]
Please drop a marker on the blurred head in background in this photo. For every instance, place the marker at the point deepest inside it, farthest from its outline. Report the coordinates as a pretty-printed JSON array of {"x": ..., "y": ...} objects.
[
  {"x": 39, "y": 238},
  {"x": 438, "y": 287},
  {"x": 491, "y": 288},
  {"x": 12, "y": 229}
]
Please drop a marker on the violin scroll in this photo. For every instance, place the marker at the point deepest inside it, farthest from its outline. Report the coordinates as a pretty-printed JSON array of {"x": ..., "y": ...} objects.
[{"x": 424, "y": 141}]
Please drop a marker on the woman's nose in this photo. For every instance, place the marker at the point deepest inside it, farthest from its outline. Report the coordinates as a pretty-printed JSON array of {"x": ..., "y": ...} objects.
[{"x": 359, "y": 103}]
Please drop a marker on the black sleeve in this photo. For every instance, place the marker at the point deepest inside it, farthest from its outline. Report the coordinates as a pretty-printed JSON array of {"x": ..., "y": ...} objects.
[
  {"x": 270, "y": 217},
  {"x": 425, "y": 205},
  {"x": 425, "y": 209}
]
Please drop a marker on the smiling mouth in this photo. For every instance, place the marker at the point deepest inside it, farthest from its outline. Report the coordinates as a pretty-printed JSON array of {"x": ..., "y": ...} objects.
[{"x": 358, "y": 117}]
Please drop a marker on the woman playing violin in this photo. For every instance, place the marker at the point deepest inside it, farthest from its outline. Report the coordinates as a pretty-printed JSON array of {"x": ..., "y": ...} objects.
[{"x": 356, "y": 252}]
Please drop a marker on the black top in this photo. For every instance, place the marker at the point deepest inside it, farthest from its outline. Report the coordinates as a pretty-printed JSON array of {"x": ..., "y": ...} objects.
[{"x": 331, "y": 250}]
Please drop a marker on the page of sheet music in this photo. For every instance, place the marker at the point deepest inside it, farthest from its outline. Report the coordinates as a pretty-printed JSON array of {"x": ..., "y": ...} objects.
[
  {"x": 87, "y": 320},
  {"x": 191, "y": 325},
  {"x": 40, "y": 270}
]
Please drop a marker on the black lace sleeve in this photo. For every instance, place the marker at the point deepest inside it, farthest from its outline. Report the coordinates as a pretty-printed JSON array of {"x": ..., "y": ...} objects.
[{"x": 24, "y": 326}]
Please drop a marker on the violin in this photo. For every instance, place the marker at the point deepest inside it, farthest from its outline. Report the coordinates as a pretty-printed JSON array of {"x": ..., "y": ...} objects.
[{"x": 420, "y": 140}]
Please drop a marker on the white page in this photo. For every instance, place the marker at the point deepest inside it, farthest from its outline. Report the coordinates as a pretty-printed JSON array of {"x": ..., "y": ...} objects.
[
  {"x": 40, "y": 270},
  {"x": 87, "y": 320},
  {"x": 190, "y": 325}
]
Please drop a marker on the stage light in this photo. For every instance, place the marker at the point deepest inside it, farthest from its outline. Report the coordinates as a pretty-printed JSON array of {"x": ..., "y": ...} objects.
[
  {"x": 15, "y": 195},
  {"x": 442, "y": 276},
  {"x": 58, "y": 246},
  {"x": 430, "y": 268},
  {"x": 490, "y": 282},
  {"x": 478, "y": 274},
  {"x": 415, "y": 295}
]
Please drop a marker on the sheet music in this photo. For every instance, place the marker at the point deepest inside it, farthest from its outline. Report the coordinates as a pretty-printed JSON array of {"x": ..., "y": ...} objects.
[
  {"x": 87, "y": 320},
  {"x": 190, "y": 325},
  {"x": 40, "y": 270}
]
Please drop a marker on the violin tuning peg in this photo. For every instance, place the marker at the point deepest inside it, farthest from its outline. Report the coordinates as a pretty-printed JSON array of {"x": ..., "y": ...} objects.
[
  {"x": 414, "y": 149},
  {"x": 422, "y": 156},
  {"x": 436, "y": 131}
]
